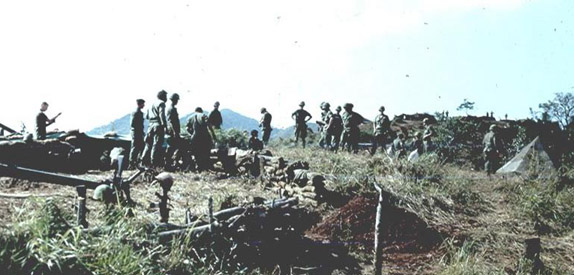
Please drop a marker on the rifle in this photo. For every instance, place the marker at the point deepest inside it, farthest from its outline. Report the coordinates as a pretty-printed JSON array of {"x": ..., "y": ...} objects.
[{"x": 54, "y": 118}]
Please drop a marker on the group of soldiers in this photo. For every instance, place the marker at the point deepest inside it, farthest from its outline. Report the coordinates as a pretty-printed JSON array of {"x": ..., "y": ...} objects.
[
  {"x": 336, "y": 131},
  {"x": 342, "y": 130},
  {"x": 147, "y": 149}
]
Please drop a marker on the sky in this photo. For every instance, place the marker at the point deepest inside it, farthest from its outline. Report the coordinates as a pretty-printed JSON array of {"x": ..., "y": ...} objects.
[{"x": 90, "y": 60}]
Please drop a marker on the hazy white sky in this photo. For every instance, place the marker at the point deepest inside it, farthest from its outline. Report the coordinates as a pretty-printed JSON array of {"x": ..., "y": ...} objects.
[{"x": 91, "y": 60}]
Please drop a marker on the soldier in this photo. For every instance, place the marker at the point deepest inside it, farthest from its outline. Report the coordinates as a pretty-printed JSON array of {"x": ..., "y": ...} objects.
[
  {"x": 335, "y": 128},
  {"x": 173, "y": 131},
  {"x": 215, "y": 118},
  {"x": 398, "y": 148},
  {"x": 326, "y": 114},
  {"x": 137, "y": 133},
  {"x": 428, "y": 135},
  {"x": 381, "y": 129},
  {"x": 492, "y": 150},
  {"x": 351, "y": 132},
  {"x": 156, "y": 131},
  {"x": 301, "y": 118},
  {"x": 42, "y": 121},
  {"x": 254, "y": 142},
  {"x": 200, "y": 140},
  {"x": 265, "y": 125}
]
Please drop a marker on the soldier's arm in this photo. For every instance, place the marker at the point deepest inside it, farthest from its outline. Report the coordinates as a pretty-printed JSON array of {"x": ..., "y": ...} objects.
[
  {"x": 162, "y": 118},
  {"x": 309, "y": 117}
]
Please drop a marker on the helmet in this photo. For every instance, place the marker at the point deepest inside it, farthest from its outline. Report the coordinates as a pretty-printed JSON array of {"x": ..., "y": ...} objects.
[
  {"x": 348, "y": 106},
  {"x": 216, "y": 104},
  {"x": 140, "y": 101},
  {"x": 254, "y": 132},
  {"x": 338, "y": 109},
  {"x": 164, "y": 179},
  {"x": 302, "y": 104},
  {"x": 492, "y": 127},
  {"x": 162, "y": 95},
  {"x": 104, "y": 192},
  {"x": 263, "y": 110},
  {"x": 326, "y": 105},
  {"x": 382, "y": 109},
  {"x": 174, "y": 96}
]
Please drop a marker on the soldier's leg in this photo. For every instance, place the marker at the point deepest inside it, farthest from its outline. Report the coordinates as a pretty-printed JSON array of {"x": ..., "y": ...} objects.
[
  {"x": 375, "y": 144},
  {"x": 328, "y": 138},
  {"x": 157, "y": 150},
  {"x": 266, "y": 134},
  {"x": 146, "y": 154}
]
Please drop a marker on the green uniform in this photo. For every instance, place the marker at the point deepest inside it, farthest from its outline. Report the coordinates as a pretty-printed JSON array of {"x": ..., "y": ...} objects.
[
  {"x": 173, "y": 133},
  {"x": 399, "y": 148},
  {"x": 200, "y": 140},
  {"x": 301, "y": 124},
  {"x": 215, "y": 119},
  {"x": 255, "y": 144},
  {"x": 155, "y": 135},
  {"x": 265, "y": 124},
  {"x": 351, "y": 132},
  {"x": 335, "y": 129},
  {"x": 325, "y": 140},
  {"x": 381, "y": 132},
  {"x": 427, "y": 138},
  {"x": 42, "y": 122},
  {"x": 492, "y": 149},
  {"x": 137, "y": 133}
]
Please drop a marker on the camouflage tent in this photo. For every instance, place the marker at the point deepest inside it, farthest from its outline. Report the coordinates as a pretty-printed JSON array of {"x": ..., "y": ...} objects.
[{"x": 532, "y": 158}]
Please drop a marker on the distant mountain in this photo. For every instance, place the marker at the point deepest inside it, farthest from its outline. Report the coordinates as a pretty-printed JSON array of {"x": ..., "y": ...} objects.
[
  {"x": 231, "y": 119},
  {"x": 121, "y": 126}
]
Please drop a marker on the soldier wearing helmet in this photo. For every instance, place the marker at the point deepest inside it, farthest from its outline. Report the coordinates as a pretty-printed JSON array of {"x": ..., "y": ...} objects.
[
  {"x": 335, "y": 128},
  {"x": 381, "y": 130},
  {"x": 351, "y": 132},
  {"x": 265, "y": 125},
  {"x": 215, "y": 119},
  {"x": 254, "y": 142},
  {"x": 492, "y": 151},
  {"x": 173, "y": 132},
  {"x": 156, "y": 131},
  {"x": 137, "y": 133},
  {"x": 428, "y": 134},
  {"x": 325, "y": 140},
  {"x": 301, "y": 118}
]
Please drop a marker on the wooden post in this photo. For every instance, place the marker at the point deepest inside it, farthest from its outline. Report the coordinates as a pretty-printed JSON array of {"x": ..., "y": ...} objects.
[
  {"x": 81, "y": 189},
  {"x": 379, "y": 233},
  {"x": 532, "y": 252},
  {"x": 211, "y": 218}
]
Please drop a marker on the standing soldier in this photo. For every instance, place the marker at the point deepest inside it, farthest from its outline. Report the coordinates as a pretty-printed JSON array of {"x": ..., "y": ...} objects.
[
  {"x": 351, "y": 132},
  {"x": 215, "y": 118},
  {"x": 265, "y": 125},
  {"x": 325, "y": 140},
  {"x": 381, "y": 128},
  {"x": 42, "y": 121},
  {"x": 156, "y": 131},
  {"x": 173, "y": 131},
  {"x": 137, "y": 133},
  {"x": 200, "y": 141},
  {"x": 428, "y": 135},
  {"x": 335, "y": 128},
  {"x": 492, "y": 150},
  {"x": 301, "y": 117}
]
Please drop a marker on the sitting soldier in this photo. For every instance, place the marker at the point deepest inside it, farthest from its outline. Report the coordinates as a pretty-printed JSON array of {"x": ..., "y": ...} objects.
[{"x": 254, "y": 142}]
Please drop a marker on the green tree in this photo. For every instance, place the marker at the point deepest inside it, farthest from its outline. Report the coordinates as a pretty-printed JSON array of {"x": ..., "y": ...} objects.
[
  {"x": 466, "y": 106},
  {"x": 561, "y": 108}
]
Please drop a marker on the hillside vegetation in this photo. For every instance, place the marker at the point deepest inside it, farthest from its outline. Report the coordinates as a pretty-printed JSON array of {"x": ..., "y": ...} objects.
[{"x": 442, "y": 215}]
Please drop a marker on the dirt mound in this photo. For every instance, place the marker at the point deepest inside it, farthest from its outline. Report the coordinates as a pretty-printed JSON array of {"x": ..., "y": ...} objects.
[{"x": 355, "y": 223}]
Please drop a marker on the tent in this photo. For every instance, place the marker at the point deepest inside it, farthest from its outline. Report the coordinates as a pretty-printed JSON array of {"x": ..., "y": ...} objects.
[{"x": 532, "y": 157}]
